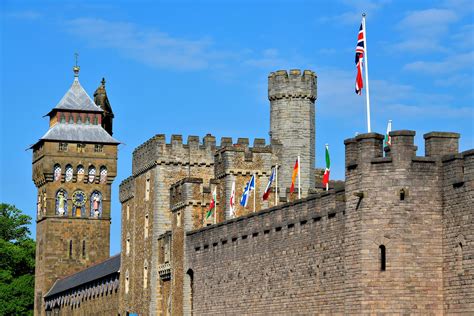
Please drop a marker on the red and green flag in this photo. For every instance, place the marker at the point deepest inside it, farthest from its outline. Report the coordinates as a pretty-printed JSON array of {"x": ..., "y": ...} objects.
[
  {"x": 212, "y": 206},
  {"x": 327, "y": 170},
  {"x": 388, "y": 139}
]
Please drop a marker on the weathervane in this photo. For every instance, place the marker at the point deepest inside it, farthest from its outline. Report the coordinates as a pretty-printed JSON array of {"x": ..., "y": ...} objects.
[{"x": 76, "y": 68}]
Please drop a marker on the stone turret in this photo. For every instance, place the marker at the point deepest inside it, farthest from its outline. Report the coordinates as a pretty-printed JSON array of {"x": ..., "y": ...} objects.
[
  {"x": 292, "y": 123},
  {"x": 101, "y": 99}
]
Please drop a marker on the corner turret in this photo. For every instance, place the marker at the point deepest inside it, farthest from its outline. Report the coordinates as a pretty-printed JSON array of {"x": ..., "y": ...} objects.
[{"x": 101, "y": 99}]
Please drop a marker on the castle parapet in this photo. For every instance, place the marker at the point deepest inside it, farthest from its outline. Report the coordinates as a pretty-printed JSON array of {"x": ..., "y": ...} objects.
[
  {"x": 126, "y": 190},
  {"x": 438, "y": 144},
  {"x": 293, "y": 85},
  {"x": 156, "y": 151}
]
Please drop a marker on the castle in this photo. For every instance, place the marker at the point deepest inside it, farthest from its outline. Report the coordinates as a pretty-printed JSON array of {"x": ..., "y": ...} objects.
[{"x": 395, "y": 237}]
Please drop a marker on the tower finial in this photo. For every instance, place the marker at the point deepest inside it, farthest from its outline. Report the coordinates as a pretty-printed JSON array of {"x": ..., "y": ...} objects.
[
  {"x": 76, "y": 68},
  {"x": 103, "y": 82}
]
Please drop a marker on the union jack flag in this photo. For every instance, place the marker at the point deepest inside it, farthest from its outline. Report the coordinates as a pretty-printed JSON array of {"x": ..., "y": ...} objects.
[{"x": 360, "y": 50}]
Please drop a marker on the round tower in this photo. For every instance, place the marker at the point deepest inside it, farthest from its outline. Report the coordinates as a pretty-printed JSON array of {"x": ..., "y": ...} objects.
[{"x": 292, "y": 123}]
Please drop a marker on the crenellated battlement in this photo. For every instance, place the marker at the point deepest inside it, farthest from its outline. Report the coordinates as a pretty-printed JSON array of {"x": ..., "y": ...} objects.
[
  {"x": 282, "y": 84},
  {"x": 156, "y": 151},
  {"x": 239, "y": 158},
  {"x": 187, "y": 191},
  {"x": 126, "y": 189},
  {"x": 458, "y": 168}
]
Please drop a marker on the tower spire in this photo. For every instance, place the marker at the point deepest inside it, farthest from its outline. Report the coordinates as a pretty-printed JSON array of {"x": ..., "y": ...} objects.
[{"x": 76, "y": 68}]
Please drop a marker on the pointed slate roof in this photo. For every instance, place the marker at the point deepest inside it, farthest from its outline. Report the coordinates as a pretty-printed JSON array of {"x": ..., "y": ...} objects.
[
  {"x": 79, "y": 133},
  {"x": 76, "y": 98},
  {"x": 98, "y": 271}
]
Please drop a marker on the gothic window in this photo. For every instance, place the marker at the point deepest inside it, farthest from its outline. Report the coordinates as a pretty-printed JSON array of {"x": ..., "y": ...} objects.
[
  {"x": 69, "y": 173},
  {"x": 127, "y": 246},
  {"x": 80, "y": 173},
  {"x": 382, "y": 257},
  {"x": 146, "y": 225},
  {"x": 103, "y": 174},
  {"x": 57, "y": 172},
  {"x": 98, "y": 148},
  {"x": 91, "y": 174},
  {"x": 127, "y": 282},
  {"x": 459, "y": 257},
  {"x": 145, "y": 274},
  {"x": 62, "y": 146},
  {"x": 96, "y": 204},
  {"x": 79, "y": 200},
  {"x": 61, "y": 202}
]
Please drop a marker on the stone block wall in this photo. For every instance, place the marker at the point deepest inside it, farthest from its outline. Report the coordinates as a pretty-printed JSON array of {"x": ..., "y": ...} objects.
[
  {"x": 287, "y": 258},
  {"x": 394, "y": 216},
  {"x": 458, "y": 232}
]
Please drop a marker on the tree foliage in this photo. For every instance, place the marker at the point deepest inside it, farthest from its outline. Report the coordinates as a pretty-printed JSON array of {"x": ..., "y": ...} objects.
[{"x": 17, "y": 262}]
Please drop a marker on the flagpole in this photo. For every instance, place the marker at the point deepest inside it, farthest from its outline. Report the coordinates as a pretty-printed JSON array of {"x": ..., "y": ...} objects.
[
  {"x": 299, "y": 178},
  {"x": 276, "y": 184},
  {"x": 366, "y": 62},
  {"x": 254, "y": 191},
  {"x": 327, "y": 184}
]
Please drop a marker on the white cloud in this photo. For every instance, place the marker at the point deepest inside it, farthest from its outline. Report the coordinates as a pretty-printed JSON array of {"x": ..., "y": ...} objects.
[
  {"x": 353, "y": 15},
  {"x": 451, "y": 64},
  {"x": 150, "y": 47}
]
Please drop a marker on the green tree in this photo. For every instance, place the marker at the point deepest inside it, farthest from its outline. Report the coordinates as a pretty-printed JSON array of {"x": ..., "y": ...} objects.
[{"x": 17, "y": 262}]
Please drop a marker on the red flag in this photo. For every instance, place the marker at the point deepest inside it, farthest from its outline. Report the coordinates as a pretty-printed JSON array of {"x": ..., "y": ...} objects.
[{"x": 293, "y": 177}]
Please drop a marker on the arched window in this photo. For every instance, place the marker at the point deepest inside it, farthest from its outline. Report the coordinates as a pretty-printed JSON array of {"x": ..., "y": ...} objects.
[
  {"x": 91, "y": 174},
  {"x": 127, "y": 282},
  {"x": 69, "y": 173},
  {"x": 383, "y": 258},
  {"x": 71, "y": 119},
  {"x": 96, "y": 204},
  {"x": 57, "y": 172},
  {"x": 88, "y": 120},
  {"x": 188, "y": 292},
  {"x": 145, "y": 274},
  {"x": 79, "y": 119},
  {"x": 146, "y": 225},
  {"x": 80, "y": 173},
  {"x": 127, "y": 244},
  {"x": 61, "y": 202},
  {"x": 103, "y": 174},
  {"x": 459, "y": 256},
  {"x": 62, "y": 118}
]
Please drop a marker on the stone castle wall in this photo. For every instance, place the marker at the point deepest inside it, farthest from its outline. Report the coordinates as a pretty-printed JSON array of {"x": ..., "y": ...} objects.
[
  {"x": 458, "y": 232},
  {"x": 287, "y": 258}
]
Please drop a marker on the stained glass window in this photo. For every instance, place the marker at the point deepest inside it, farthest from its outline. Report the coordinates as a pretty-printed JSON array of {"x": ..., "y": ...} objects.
[
  {"x": 80, "y": 173},
  {"x": 69, "y": 173},
  {"x": 57, "y": 172},
  {"x": 96, "y": 204},
  {"x": 61, "y": 202},
  {"x": 91, "y": 174},
  {"x": 103, "y": 174}
]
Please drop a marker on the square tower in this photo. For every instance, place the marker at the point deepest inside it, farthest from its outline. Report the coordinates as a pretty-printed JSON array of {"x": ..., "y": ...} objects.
[{"x": 74, "y": 165}]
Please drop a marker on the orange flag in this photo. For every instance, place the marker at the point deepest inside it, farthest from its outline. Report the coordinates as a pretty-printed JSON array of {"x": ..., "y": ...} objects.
[{"x": 293, "y": 177}]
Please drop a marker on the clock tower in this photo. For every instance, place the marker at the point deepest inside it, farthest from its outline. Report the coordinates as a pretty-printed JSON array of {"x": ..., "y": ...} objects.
[{"x": 74, "y": 165}]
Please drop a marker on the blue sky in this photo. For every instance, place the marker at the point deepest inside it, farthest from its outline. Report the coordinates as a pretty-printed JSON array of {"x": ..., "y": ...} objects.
[{"x": 190, "y": 69}]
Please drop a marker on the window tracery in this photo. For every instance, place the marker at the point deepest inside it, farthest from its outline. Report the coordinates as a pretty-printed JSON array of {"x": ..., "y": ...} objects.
[
  {"x": 61, "y": 202},
  {"x": 91, "y": 174},
  {"x": 96, "y": 204},
  {"x": 80, "y": 173},
  {"x": 57, "y": 172},
  {"x": 69, "y": 173},
  {"x": 103, "y": 174}
]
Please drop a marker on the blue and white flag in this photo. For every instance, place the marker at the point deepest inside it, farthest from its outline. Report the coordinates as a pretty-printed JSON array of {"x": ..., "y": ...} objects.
[{"x": 248, "y": 188}]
